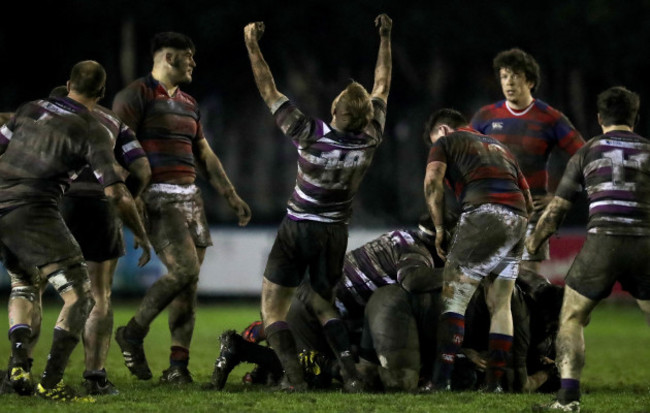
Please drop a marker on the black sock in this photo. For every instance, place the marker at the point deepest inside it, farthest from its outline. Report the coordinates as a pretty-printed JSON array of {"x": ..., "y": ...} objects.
[
  {"x": 258, "y": 354},
  {"x": 179, "y": 356},
  {"x": 281, "y": 340},
  {"x": 339, "y": 340},
  {"x": 135, "y": 332},
  {"x": 63, "y": 343},
  {"x": 19, "y": 336}
]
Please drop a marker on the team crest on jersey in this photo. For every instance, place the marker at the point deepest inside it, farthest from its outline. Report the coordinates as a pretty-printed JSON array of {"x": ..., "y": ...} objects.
[{"x": 497, "y": 125}]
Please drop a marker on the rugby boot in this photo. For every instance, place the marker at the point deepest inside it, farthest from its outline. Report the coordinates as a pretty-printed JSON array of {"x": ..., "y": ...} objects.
[
  {"x": 556, "y": 406},
  {"x": 133, "y": 353},
  {"x": 176, "y": 375},
  {"x": 96, "y": 383},
  {"x": 62, "y": 393},
  {"x": 226, "y": 361},
  {"x": 20, "y": 380}
]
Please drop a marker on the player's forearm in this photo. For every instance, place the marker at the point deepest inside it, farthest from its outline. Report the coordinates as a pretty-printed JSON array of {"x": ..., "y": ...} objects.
[
  {"x": 549, "y": 222},
  {"x": 262, "y": 74},
  {"x": 139, "y": 176},
  {"x": 126, "y": 209},
  {"x": 383, "y": 68},
  {"x": 218, "y": 178}
]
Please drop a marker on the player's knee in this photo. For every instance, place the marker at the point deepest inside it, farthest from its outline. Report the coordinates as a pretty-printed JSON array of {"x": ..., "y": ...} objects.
[{"x": 29, "y": 293}]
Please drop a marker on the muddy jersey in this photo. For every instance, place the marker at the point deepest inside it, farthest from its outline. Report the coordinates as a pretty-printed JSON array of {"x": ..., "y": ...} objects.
[
  {"x": 530, "y": 134},
  {"x": 480, "y": 170},
  {"x": 167, "y": 127},
  {"x": 614, "y": 169},
  {"x": 127, "y": 150},
  {"x": 383, "y": 261},
  {"x": 331, "y": 164},
  {"x": 45, "y": 145}
]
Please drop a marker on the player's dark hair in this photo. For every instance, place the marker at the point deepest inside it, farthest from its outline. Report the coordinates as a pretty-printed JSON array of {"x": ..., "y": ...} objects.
[
  {"x": 353, "y": 108},
  {"x": 171, "y": 39},
  {"x": 59, "y": 92},
  {"x": 618, "y": 106},
  {"x": 446, "y": 116},
  {"x": 518, "y": 61},
  {"x": 88, "y": 78}
]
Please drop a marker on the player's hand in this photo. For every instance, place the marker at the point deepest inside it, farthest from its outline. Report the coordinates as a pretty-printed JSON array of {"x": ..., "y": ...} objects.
[
  {"x": 146, "y": 250},
  {"x": 384, "y": 23},
  {"x": 475, "y": 357},
  {"x": 253, "y": 31},
  {"x": 540, "y": 202},
  {"x": 241, "y": 208},
  {"x": 440, "y": 239}
]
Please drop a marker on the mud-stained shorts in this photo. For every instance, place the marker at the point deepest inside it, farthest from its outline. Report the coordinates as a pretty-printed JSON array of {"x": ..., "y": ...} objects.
[
  {"x": 308, "y": 245},
  {"x": 489, "y": 238},
  {"x": 543, "y": 252},
  {"x": 175, "y": 212},
  {"x": 605, "y": 259},
  {"x": 36, "y": 235},
  {"x": 95, "y": 226},
  {"x": 403, "y": 325}
]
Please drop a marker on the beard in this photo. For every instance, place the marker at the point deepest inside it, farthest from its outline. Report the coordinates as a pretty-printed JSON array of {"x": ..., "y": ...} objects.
[{"x": 181, "y": 71}]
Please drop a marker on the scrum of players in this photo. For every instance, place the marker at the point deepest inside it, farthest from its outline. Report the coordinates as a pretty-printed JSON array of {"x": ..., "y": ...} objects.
[{"x": 453, "y": 302}]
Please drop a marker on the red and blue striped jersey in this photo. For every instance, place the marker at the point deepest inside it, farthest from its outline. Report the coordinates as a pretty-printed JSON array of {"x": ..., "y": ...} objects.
[
  {"x": 614, "y": 169},
  {"x": 531, "y": 135},
  {"x": 331, "y": 164},
  {"x": 480, "y": 170},
  {"x": 167, "y": 127}
]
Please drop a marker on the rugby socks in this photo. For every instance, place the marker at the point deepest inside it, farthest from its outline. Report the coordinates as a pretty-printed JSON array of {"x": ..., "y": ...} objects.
[
  {"x": 20, "y": 336},
  {"x": 63, "y": 342},
  {"x": 134, "y": 332},
  {"x": 180, "y": 356},
  {"x": 569, "y": 391},
  {"x": 451, "y": 332},
  {"x": 339, "y": 340},
  {"x": 257, "y": 354},
  {"x": 499, "y": 351},
  {"x": 281, "y": 340}
]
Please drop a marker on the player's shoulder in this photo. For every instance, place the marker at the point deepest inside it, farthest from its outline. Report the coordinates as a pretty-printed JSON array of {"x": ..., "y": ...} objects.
[
  {"x": 547, "y": 109},
  {"x": 490, "y": 108}
]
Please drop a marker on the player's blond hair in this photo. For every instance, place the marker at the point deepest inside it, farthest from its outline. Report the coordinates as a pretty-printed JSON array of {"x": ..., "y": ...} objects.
[{"x": 353, "y": 108}]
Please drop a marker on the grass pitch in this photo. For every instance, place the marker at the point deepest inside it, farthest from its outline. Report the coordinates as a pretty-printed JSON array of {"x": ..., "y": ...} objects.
[{"x": 616, "y": 377}]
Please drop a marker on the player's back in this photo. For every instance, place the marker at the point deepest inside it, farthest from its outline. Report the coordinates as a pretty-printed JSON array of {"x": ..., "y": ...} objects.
[{"x": 47, "y": 142}]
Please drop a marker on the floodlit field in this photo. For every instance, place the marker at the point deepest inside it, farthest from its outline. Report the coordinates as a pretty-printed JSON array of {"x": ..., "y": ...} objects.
[{"x": 616, "y": 378}]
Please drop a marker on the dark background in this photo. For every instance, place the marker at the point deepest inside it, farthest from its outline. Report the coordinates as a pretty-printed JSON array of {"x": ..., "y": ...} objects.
[{"x": 442, "y": 56}]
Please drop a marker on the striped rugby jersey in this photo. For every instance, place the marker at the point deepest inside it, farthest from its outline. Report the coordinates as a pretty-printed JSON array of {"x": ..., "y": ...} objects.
[
  {"x": 480, "y": 170},
  {"x": 331, "y": 164},
  {"x": 382, "y": 261},
  {"x": 166, "y": 126},
  {"x": 614, "y": 169},
  {"x": 46, "y": 143},
  {"x": 127, "y": 150},
  {"x": 531, "y": 135}
]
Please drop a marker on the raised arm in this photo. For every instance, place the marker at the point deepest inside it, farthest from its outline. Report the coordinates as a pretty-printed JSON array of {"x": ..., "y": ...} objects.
[
  {"x": 263, "y": 78},
  {"x": 434, "y": 196},
  {"x": 384, "y": 67},
  {"x": 211, "y": 166}
]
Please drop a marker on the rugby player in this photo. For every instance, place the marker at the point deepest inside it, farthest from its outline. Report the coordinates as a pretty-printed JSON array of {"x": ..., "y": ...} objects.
[
  {"x": 83, "y": 207},
  {"x": 531, "y": 129},
  {"x": 488, "y": 238},
  {"x": 167, "y": 122},
  {"x": 403, "y": 257},
  {"x": 614, "y": 169},
  {"x": 333, "y": 159},
  {"x": 43, "y": 145}
]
